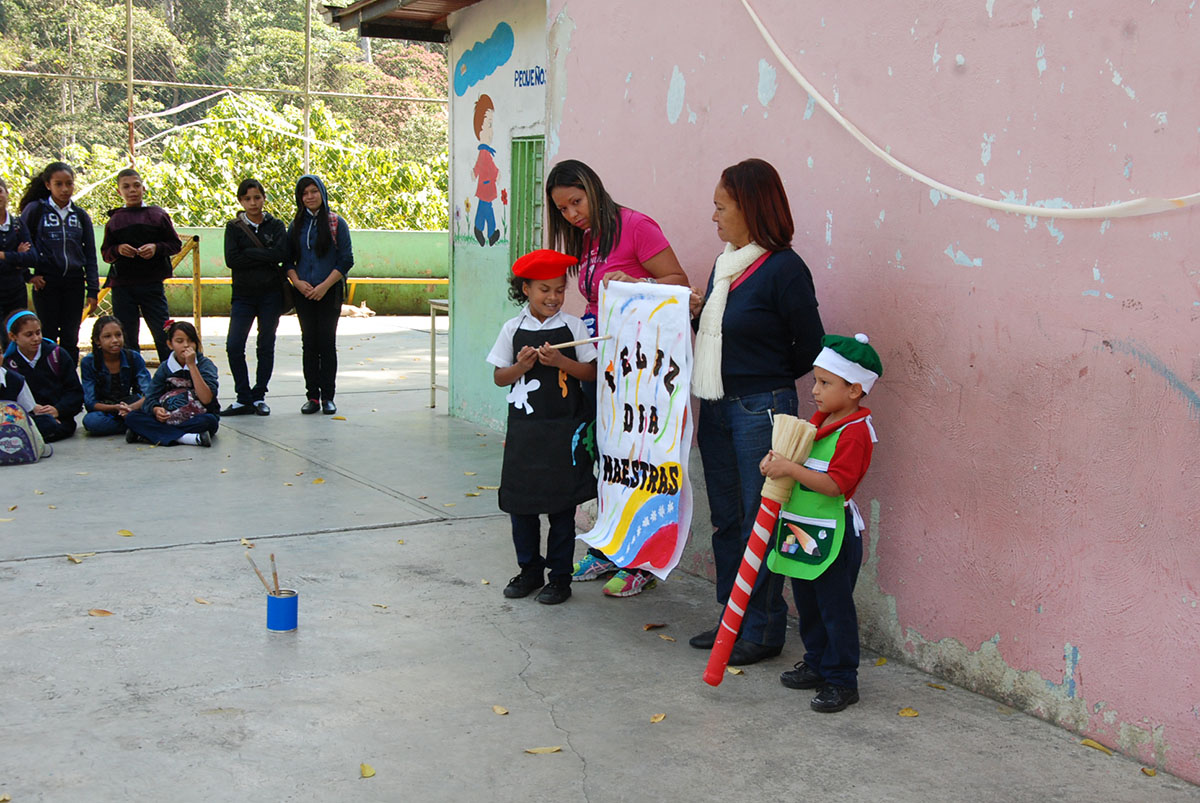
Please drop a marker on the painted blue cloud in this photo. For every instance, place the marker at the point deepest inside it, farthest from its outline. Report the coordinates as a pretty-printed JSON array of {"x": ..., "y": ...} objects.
[{"x": 483, "y": 59}]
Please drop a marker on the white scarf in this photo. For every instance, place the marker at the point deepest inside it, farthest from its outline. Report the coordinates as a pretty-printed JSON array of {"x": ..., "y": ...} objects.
[{"x": 706, "y": 373}]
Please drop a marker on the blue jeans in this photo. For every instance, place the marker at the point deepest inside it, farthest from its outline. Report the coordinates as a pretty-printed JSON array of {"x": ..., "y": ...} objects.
[
  {"x": 734, "y": 434},
  {"x": 242, "y": 313},
  {"x": 828, "y": 618},
  {"x": 100, "y": 423},
  {"x": 153, "y": 430},
  {"x": 149, "y": 301}
]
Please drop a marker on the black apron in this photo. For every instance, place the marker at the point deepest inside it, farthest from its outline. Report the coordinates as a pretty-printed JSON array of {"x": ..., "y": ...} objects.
[{"x": 549, "y": 448}]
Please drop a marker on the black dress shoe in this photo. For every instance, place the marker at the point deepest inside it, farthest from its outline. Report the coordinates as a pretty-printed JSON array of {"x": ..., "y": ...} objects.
[
  {"x": 131, "y": 436},
  {"x": 311, "y": 406},
  {"x": 802, "y": 676},
  {"x": 705, "y": 640},
  {"x": 241, "y": 409},
  {"x": 555, "y": 592},
  {"x": 205, "y": 439},
  {"x": 328, "y": 407},
  {"x": 524, "y": 584},
  {"x": 831, "y": 699},
  {"x": 748, "y": 652},
  {"x": 261, "y": 408}
]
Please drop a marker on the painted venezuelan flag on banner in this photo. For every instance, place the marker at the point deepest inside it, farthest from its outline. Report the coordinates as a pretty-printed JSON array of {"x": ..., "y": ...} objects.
[{"x": 643, "y": 425}]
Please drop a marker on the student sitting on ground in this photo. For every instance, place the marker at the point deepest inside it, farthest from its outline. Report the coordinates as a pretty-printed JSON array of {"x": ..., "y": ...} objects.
[
  {"x": 115, "y": 379},
  {"x": 181, "y": 405},
  {"x": 49, "y": 372}
]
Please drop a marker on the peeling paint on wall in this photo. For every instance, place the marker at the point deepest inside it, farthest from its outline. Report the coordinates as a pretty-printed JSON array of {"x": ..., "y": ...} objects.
[
  {"x": 675, "y": 95},
  {"x": 767, "y": 83}
]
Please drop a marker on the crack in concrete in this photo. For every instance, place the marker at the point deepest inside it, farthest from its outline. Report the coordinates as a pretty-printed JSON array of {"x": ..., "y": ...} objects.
[{"x": 549, "y": 706}]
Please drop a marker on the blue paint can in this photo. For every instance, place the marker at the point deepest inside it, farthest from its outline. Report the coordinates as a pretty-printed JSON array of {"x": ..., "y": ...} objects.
[{"x": 283, "y": 611}]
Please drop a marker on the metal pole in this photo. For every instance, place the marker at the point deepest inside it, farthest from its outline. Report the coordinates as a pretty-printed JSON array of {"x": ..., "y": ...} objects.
[
  {"x": 307, "y": 78},
  {"x": 129, "y": 74}
]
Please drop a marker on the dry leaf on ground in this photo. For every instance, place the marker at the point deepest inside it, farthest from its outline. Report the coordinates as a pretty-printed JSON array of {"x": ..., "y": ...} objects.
[
  {"x": 537, "y": 751},
  {"x": 40, "y": 493},
  {"x": 125, "y": 533},
  {"x": 399, "y": 540},
  {"x": 880, "y": 661},
  {"x": 224, "y": 471},
  {"x": 378, "y": 605},
  {"x": 99, "y": 612},
  {"x": 485, "y": 582},
  {"x": 202, "y": 600},
  {"x": 247, "y": 544},
  {"x": 449, "y": 504},
  {"x": 366, "y": 770},
  {"x": 299, "y": 473},
  {"x": 12, "y": 508},
  {"x": 339, "y": 418},
  {"x": 1092, "y": 743},
  {"x": 654, "y": 626},
  {"x": 6, "y": 519},
  {"x": 319, "y": 481},
  {"x": 733, "y": 670},
  {"x": 471, "y": 493},
  {"x": 908, "y": 712},
  {"x": 499, "y": 709},
  {"x": 1148, "y": 771},
  {"x": 936, "y": 686},
  {"x": 488, "y": 487},
  {"x": 658, "y": 717}
]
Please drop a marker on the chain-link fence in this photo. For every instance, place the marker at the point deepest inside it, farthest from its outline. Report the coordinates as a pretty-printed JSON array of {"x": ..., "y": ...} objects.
[{"x": 200, "y": 94}]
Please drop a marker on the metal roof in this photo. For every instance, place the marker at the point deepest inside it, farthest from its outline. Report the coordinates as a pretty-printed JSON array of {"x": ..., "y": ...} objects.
[{"x": 419, "y": 20}]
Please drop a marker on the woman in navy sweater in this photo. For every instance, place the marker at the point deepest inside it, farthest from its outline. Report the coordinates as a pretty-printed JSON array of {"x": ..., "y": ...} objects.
[
  {"x": 319, "y": 257},
  {"x": 759, "y": 331}
]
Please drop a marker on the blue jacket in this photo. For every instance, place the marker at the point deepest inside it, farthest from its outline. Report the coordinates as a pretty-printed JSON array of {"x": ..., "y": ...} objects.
[
  {"x": 302, "y": 256},
  {"x": 66, "y": 251},
  {"x": 14, "y": 269},
  {"x": 132, "y": 384},
  {"x": 52, "y": 380}
]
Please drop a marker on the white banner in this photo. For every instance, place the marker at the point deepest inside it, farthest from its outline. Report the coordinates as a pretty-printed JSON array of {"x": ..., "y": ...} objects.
[{"x": 643, "y": 425}]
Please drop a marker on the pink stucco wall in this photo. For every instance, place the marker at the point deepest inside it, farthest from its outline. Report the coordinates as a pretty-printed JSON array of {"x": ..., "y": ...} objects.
[{"x": 1035, "y": 495}]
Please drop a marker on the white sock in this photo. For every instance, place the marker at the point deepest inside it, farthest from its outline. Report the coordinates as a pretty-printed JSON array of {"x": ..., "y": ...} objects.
[
  {"x": 190, "y": 439},
  {"x": 236, "y": 405}
]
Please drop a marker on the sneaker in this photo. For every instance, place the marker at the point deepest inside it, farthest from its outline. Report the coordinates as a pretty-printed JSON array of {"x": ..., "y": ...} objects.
[
  {"x": 831, "y": 699},
  {"x": 802, "y": 676},
  {"x": 627, "y": 584},
  {"x": 592, "y": 568},
  {"x": 555, "y": 592},
  {"x": 524, "y": 584}
]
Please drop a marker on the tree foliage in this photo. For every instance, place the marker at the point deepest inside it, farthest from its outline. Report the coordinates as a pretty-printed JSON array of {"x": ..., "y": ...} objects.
[{"x": 384, "y": 160}]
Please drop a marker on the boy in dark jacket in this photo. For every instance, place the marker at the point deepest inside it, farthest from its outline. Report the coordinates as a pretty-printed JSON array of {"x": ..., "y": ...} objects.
[
  {"x": 255, "y": 248},
  {"x": 139, "y": 242}
]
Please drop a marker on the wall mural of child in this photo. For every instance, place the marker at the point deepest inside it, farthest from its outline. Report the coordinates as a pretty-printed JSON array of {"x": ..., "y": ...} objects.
[{"x": 486, "y": 173}]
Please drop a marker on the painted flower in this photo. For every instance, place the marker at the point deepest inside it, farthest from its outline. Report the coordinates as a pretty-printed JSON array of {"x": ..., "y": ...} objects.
[{"x": 504, "y": 197}]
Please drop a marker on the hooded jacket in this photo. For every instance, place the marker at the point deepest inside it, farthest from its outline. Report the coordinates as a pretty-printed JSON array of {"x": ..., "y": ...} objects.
[
  {"x": 14, "y": 268},
  {"x": 66, "y": 248},
  {"x": 302, "y": 240}
]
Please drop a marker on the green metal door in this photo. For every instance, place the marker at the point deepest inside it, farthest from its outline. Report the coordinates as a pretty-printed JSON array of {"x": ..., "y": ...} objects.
[{"x": 525, "y": 233}]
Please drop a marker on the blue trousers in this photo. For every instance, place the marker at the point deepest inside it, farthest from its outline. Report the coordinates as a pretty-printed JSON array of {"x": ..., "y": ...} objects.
[
  {"x": 485, "y": 217},
  {"x": 52, "y": 429},
  {"x": 131, "y": 303},
  {"x": 242, "y": 313},
  {"x": 560, "y": 543},
  {"x": 60, "y": 308},
  {"x": 99, "y": 423},
  {"x": 150, "y": 428},
  {"x": 828, "y": 618},
  {"x": 734, "y": 434}
]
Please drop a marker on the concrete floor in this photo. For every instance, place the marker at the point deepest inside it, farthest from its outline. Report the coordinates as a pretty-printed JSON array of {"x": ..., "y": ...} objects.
[{"x": 405, "y": 642}]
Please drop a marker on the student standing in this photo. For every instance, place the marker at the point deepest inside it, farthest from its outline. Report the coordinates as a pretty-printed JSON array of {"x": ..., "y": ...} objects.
[
  {"x": 255, "y": 248},
  {"x": 319, "y": 257},
  {"x": 17, "y": 255},
  {"x": 66, "y": 244},
  {"x": 139, "y": 241},
  {"x": 546, "y": 469}
]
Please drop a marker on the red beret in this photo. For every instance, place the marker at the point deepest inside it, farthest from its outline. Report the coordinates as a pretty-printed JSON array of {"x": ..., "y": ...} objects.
[{"x": 543, "y": 264}]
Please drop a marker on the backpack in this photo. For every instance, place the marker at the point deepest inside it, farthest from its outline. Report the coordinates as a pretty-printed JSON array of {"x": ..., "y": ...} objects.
[{"x": 20, "y": 441}]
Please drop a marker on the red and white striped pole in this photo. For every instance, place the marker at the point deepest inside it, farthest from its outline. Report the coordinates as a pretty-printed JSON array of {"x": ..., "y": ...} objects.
[{"x": 791, "y": 438}]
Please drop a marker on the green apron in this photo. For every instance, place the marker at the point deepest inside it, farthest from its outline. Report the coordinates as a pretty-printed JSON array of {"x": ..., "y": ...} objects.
[{"x": 811, "y": 526}]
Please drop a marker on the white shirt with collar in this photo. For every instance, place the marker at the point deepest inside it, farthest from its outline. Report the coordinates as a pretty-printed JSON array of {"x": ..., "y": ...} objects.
[
  {"x": 63, "y": 211},
  {"x": 7, "y": 224},
  {"x": 501, "y": 354}
]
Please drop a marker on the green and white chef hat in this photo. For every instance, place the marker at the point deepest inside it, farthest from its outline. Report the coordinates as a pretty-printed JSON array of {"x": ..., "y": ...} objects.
[{"x": 851, "y": 358}]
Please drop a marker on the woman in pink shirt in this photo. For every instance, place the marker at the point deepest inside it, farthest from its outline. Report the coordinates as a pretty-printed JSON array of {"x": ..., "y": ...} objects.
[{"x": 610, "y": 242}]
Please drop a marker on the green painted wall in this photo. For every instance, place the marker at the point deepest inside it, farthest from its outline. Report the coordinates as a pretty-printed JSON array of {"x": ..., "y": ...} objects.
[
  {"x": 377, "y": 254},
  {"x": 479, "y": 306}
]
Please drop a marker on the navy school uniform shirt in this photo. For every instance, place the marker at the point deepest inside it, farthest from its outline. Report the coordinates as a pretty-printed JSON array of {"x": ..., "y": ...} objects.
[
  {"x": 66, "y": 245},
  {"x": 256, "y": 271},
  {"x": 302, "y": 256},
  {"x": 14, "y": 269},
  {"x": 173, "y": 368},
  {"x": 51, "y": 378},
  {"x": 131, "y": 383}
]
